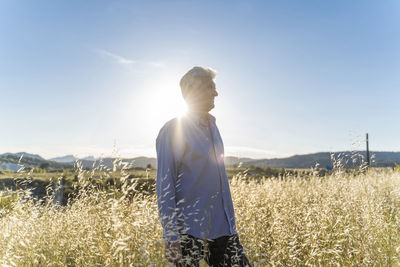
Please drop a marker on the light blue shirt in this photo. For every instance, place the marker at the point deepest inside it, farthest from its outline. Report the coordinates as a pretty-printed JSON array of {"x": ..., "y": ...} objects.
[{"x": 192, "y": 187}]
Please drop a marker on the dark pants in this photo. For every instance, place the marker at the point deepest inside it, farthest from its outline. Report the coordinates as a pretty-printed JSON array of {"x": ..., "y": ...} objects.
[{"x": 223, "y": 251}]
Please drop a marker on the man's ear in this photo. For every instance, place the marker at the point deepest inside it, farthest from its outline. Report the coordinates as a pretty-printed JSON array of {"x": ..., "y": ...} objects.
[{"x": 191, "y": 95}]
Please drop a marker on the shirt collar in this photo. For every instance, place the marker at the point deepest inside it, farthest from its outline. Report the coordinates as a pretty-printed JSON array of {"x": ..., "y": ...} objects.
[{"x": 196, "y": 118}]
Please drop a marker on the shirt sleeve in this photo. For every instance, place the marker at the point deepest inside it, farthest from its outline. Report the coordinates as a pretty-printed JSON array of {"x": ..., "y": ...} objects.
[{"x": 166, "y": 183}]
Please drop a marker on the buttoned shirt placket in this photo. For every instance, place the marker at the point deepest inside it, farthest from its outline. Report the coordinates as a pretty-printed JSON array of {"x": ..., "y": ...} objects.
[{"x": 219, "y": 172}]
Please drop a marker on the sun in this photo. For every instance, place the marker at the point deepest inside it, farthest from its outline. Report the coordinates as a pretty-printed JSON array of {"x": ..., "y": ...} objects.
[
  {"x": 168, "y": 101},
  {"x": 164, "y": 101}
]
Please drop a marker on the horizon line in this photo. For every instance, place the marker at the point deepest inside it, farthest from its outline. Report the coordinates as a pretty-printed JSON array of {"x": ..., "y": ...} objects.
[{"x": 232, "y": 156}]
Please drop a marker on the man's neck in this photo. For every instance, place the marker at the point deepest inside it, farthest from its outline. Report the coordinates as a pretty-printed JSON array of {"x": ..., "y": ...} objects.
[
  {"x": 200, "y": 113},
  {"x": 203, "y": 115}
]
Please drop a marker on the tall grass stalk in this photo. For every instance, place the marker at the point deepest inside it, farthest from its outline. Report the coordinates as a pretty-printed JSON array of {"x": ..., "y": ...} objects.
[{"x": 341, "y": 220}]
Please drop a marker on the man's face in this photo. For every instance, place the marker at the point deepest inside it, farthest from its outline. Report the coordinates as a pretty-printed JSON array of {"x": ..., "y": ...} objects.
[{"x": 202, "y": 98}]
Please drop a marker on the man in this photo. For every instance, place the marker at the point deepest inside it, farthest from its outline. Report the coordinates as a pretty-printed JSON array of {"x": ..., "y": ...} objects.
[{"x": 193, "y": 195}]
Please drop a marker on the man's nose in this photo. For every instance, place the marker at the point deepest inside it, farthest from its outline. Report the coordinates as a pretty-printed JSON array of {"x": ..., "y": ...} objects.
[{"x": 215, "y": 93}]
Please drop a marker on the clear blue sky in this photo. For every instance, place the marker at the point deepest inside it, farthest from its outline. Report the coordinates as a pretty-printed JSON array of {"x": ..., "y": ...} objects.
[{"x": 293, "y": 76}]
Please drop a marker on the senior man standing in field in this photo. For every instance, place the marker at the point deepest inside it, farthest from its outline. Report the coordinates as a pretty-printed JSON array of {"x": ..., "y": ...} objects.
[{"x": 193, "y": 195}]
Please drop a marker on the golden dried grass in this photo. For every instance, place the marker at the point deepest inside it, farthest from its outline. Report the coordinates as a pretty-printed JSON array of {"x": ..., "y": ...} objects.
[{"x": 340, "y": 220}]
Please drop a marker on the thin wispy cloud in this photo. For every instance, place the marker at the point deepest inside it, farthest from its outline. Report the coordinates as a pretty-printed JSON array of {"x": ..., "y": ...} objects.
[
  {"x": 157, "y": 64},
  {"x": 117, "y": 58},
  {"x": 127, "y": 62}
]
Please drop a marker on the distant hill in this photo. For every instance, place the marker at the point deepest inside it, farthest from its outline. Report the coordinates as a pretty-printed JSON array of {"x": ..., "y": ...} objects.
[
  {"x": 11, "y": 166},
  {"x": 324, "y": 159},
  {"x": 71, "y": 159},
  {"x": 229, "y": 161},
  {"x": 19, "y": 154},
  {"x": 28, "y": 161},
  {"x": 65, "y": 159},
  {"x": 89, "y": 158}
]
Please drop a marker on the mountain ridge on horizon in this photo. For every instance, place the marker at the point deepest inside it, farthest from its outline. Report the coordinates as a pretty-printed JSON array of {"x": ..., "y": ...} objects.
[
  {"x": 321, "y": 159},
  {"x": 92, "y": 158}
]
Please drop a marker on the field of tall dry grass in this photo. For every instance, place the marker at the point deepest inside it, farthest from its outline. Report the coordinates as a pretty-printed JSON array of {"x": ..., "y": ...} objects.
[{"x": 340, "y": 220}]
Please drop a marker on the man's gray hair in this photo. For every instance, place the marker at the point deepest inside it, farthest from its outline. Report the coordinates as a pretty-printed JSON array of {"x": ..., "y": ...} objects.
[{"x": 194, "y": 78}]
